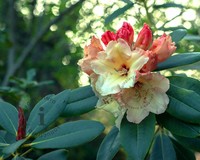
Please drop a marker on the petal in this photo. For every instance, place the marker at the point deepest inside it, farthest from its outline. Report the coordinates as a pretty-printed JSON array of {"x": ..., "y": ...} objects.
[{"x": 136, "y": 115}]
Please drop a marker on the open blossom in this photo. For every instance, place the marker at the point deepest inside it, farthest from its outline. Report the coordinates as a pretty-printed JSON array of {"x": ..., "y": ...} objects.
[{"x": 121, "y": 72}]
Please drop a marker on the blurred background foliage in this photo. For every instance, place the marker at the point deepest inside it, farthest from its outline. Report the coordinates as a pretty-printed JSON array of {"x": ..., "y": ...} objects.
[{"x": 42, "y": 40}]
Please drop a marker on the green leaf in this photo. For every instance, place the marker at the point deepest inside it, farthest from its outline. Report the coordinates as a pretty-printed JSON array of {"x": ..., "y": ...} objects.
[
  {"x": 46, "y": 112},
  {"x": 182, "y": 94},
  {"x": 81, "y": 100},
  {"x": 31, "y": 74},
  {"x": 8, "y": 117},
  {"x": 13, "y": 147},
  {"x": 118, "y": 12},
  {"x": 178, "y": 34},
  {"x": 190, "y": 143},
  {"x": 21, "y": 158},
  {"x": 178, "y": 127},
  {"x": 167, "y": 5},
  {"x": 163, "y": 149},
  {"x": 182, "y": 153},
  {"x": 80, "y": 94},
  {"x": 69, "y": 135},
  {"x": 136, "y": 138},
  {"x": 80, "y": 107},
  {"x": 6, "y": 138},
  {"x": 58, "y": 154},
  {"x": 192, "y": 37},
  {"x": 179, "y": 60},
  {"x": 110, "y": 145}
]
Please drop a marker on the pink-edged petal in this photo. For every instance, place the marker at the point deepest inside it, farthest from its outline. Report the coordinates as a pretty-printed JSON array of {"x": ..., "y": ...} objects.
[{"x": 136, "y": 115}]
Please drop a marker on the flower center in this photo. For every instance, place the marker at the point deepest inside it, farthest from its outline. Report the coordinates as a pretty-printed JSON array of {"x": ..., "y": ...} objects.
[{"x": 123, "y": 70}]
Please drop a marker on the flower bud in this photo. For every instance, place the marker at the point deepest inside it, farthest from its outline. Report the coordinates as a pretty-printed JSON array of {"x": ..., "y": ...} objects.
[
  {"x": 144, "y": 38},
  {"x": 107, "y": 37},
  {"x": 126, "y": 32},
  {"x": 21, "y": 132},
  {"x": 163, "y": 47}
]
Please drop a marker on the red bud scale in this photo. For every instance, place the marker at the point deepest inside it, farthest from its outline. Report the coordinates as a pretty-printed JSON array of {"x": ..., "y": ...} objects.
[{"x": 21, "y": 132}]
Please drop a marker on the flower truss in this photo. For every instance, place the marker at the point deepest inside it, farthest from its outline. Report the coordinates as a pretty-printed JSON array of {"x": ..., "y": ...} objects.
[{"x": 121, "y": 72}]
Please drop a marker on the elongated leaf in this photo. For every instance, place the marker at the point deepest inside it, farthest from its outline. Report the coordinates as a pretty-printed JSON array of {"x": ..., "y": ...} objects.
[
  {"x": 13, "y": 147},
  {"x": 182, "y": 104},
  {"x": 163, "y": 149},
  {"x": 80, "y": 107},
  {"x": 182, "y": 153},
  {"x": 178, "y": 34},
  {"x": 69, "y": 135},
  {"x": 179, "y": 60},
  {"x": 51, "y": 107},
  {"x": 186, "y": 82},
  {"x": 21, "y": 158},
  {"x": 118, "y": 12},
  {"x": 80, "y": 94},
  {"x": 167, "y": 5},
  {"x": 192, "y": 37},
  {"x": 110, "y": 145},
  {"x": 58, "y": 154},
  {"x": 178, "y": 127},
  {"x": 6, "y": 138},
  {"x": 190, "y": 143},
  {"x": 136, "y": 138},
  {"x": 8, "y": 117}
]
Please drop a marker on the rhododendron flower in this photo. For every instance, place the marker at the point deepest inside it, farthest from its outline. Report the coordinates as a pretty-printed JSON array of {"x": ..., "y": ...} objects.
[{"x": 121, "y": 76}]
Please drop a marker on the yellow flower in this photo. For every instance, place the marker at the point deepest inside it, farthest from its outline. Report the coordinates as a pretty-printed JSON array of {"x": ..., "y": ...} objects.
[{"x": 117, "y": 67}]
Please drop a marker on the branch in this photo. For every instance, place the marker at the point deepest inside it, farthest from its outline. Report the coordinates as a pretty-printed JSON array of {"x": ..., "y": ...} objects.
[
  {"x": 38, "y": 36},
  {"x": 12, "y": 37}
]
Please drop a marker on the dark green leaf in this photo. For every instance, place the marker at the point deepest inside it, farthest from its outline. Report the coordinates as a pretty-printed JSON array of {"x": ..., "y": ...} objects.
[
  {"x": 167, "y": 5},
  {"x": 69, "y": 135},
  {"x": 192, "y": 37},
  {"x": 58, "y": 154},
  {"x": 136, "y": 138},
  {"x": 178, "y": 127},
  {"x": 6, "y": 138},
  {"x": 163, "y": 149},
  {"x": 182, "y": 153},
  {"x": 81, "y": 94},
  {"x": 118, "y": 12},
  {"x": 46, "y": 112},
  {"x": 190, "y": 143},
  {"x": 178, "y": 34},
  {"x": 80, "y": 107},
  {"x": 13, "y": 147},
  {"x": 110, "y": 145},
  {"x": 31, "y": 74},
  {"x": 182, "y": 104},
  {"x": 8, "y": 117},
  {"x": 179, "y": 60},
  {"x": 21, "y": 158}
]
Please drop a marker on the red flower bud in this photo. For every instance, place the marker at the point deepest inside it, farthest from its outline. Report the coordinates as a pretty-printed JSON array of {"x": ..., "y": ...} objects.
[
  {"x": 126, "y": 32},
  {"x": 107, "y": 37},
  {"x": 21, "y": 132},
  {"x": 144, "y": 38}
]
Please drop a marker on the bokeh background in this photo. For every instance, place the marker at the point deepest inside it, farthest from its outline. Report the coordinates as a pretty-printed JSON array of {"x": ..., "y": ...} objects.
[{"x": 41, "y": 42}]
